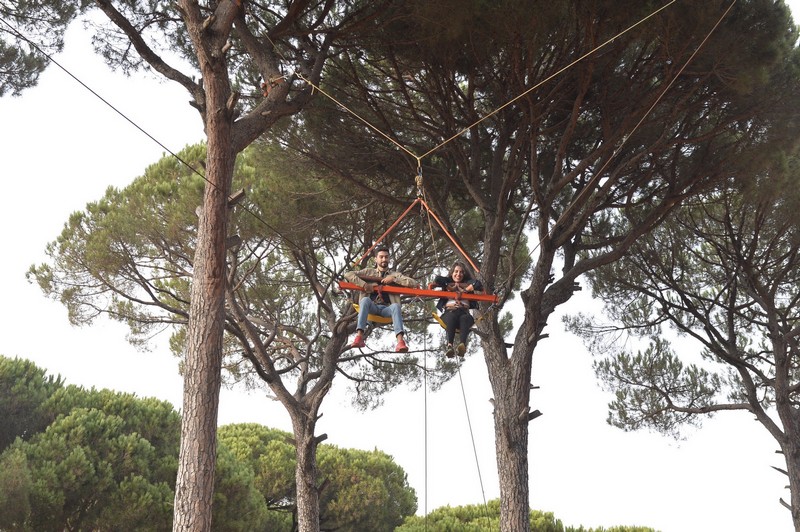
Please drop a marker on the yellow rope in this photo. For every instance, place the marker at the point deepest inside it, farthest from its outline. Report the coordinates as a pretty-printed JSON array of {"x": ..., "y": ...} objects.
[
  {"x": 492, "y": 113},
  {"x": 625, "y": 139},
  {"x": 365, "y": 121},
  {"x": 548, "y": 78},
  {"x": 418, "y": 158},
  {"x": 597, "y": 174}
]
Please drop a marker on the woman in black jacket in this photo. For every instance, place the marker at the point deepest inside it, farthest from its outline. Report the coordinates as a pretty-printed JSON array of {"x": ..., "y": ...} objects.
[{"x": 456, "y": 312}]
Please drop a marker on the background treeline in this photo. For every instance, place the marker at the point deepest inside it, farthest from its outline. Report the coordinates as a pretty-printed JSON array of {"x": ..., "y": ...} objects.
[{"x": 78, "y": 459}]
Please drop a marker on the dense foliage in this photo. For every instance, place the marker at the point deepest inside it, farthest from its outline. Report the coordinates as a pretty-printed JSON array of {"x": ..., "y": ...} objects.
[
  {"x": 518, "y": 137},
  {"x": 29, "y": 29},
  {"x": 720, "y": 279},
  {"x": 486, "y": 518},
  {"x": 107, "y": 461}
]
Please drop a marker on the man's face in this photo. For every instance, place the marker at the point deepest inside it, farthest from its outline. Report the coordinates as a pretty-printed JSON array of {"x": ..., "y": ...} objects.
[{"x": 382, "y": 260}]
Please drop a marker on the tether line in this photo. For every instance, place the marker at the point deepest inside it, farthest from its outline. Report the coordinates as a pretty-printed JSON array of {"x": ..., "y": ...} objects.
[
  {"x": 625, "y": 139},
  {"x": 490, "y": 114},
  {"x": 474, "y": 448},
  {"x": 548, "y": 78},
  {"x": 177, "y": 157}
]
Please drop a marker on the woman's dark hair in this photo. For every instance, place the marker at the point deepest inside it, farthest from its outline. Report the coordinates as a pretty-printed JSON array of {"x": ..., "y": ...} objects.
[{"x": 467, "y": 273}]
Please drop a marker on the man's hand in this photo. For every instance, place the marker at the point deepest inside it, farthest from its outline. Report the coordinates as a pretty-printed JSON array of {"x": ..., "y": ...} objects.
[
  {"x": 369, "y": 288},
  {"x": 389, "y": 279}
]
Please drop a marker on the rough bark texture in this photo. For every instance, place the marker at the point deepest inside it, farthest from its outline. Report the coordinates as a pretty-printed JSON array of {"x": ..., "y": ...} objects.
[
  {"x": 511, "y": 444},
  {"x": 306, "y": 475},
  {"x": 790, "y": 446},
  {"x": 789, "y": 437},
  {"x": 195, "y": 482},
  {"x": 194, "y": 488}
]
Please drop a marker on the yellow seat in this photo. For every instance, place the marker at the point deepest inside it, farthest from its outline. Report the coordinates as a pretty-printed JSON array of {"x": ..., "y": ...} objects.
[
  {"x": 440, "y": 322},
  {"x": 374, "y": 317},
  {"x": 438, "y": 319}
]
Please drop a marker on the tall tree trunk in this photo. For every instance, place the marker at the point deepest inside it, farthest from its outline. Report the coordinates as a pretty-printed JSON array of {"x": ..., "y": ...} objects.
[
  {"x": 511, "y": 387},
  {"x": 789, "y": 414},
  {"x": 791, "y": 451},
  {"x": 194, "y": 487},
  {"x": 306, "y": 473},
  {"x": 510, "y": 378}
]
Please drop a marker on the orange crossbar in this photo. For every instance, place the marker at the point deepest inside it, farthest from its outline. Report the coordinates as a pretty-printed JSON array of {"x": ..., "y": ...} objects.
[{"x": 422, "y": 292}]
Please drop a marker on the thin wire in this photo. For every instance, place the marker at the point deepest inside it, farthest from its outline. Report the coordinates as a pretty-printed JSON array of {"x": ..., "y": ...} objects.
[
  {"x": 625, "y": 139},
  {"x": 425, "y": 424},
  {"x": 472, "y": 439},
  {"x": 420, "y": 157},
  {"x": 485, "y": 117},
  {"x": 425, "y": 357},
  {"x": 356, "y": 115},
  {"x": 669, "y": 85},
  {"x": 548, "y": 78},
  {"x": 159, "y": 143},
  {"x": 353, "y": 113},
  {"x": 458, "y": 367},
  {"x": 85, "y": 86},
  {"x": 492, "y": 113}
]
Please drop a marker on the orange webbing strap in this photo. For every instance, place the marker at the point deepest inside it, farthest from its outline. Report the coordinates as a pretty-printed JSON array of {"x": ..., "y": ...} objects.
[
  {"x": 389, "y": 230},
  {"x": 446, "y": 232}
]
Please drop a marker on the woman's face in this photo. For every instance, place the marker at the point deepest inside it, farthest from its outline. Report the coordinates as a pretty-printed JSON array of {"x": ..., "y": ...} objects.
[{"x": 458, "y": 274}]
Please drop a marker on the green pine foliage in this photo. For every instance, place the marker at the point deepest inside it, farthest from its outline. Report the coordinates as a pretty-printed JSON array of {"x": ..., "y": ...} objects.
[
  {"x": 42, "y": 22},
  {"x": 108, "y": 461},
  {"x": 486, "y": 518},
  {"x": 23, "y": 390},
  {"x": 361, "y": 490}
]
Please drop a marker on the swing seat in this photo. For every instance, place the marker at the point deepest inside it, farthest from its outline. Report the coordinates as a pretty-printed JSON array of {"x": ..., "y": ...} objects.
[
  {"x": 374, "y": 317},
  {"x": 438, "y": 319},
  {"x": 440, "y": 322}
]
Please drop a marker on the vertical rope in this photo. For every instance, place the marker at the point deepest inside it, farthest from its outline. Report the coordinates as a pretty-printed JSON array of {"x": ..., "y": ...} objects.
[
  {"x": 424, "y": 367},
  {"x": 425, "y": 423},
  {"x": 474, "y": 448}
]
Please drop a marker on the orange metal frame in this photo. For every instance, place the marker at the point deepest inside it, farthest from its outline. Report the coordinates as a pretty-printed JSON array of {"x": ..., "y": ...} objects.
[
  {"x": 422, "y": 292},
  {"x": 438, "y": 221}
]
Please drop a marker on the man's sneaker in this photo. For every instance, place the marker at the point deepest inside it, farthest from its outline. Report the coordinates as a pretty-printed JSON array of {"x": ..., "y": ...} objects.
[
  {"x": 358, "y": 341},
  {"x": 401, "y": 346},
  {"x": 449, "y": 352},
  {"x": 461, "y": 349}
]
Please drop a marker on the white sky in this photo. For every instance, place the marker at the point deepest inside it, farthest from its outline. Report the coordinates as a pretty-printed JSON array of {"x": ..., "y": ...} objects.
[{"x": 61, "y": 147}]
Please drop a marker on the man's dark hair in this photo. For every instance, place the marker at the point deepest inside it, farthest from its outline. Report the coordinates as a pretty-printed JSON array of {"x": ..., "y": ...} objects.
[{"x": 382, "y": 248}]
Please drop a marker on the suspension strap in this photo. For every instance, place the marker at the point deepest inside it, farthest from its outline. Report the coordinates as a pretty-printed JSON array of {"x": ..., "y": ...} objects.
[{"x": 365, "y": 255}]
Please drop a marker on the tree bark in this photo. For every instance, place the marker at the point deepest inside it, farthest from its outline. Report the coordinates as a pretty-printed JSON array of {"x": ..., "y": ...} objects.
[
  {"x": 511, "y": 396},
  {"x": 306, "y": 474},
  {"x": 789, "y": 414},
  {"x": 791, "y": 450},
  {"x": 203, "y": 362},
  {"x": 510, "y": 378},
  {"x": 194, "y": 488}
]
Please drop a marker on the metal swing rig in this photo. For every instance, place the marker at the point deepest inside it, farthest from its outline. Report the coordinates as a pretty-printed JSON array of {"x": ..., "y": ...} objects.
[{"x": 419, "y": 292}]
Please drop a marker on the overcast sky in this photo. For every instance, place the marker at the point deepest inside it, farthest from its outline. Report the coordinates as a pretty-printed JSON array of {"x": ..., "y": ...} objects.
[{"x": 62, "y": 146}]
